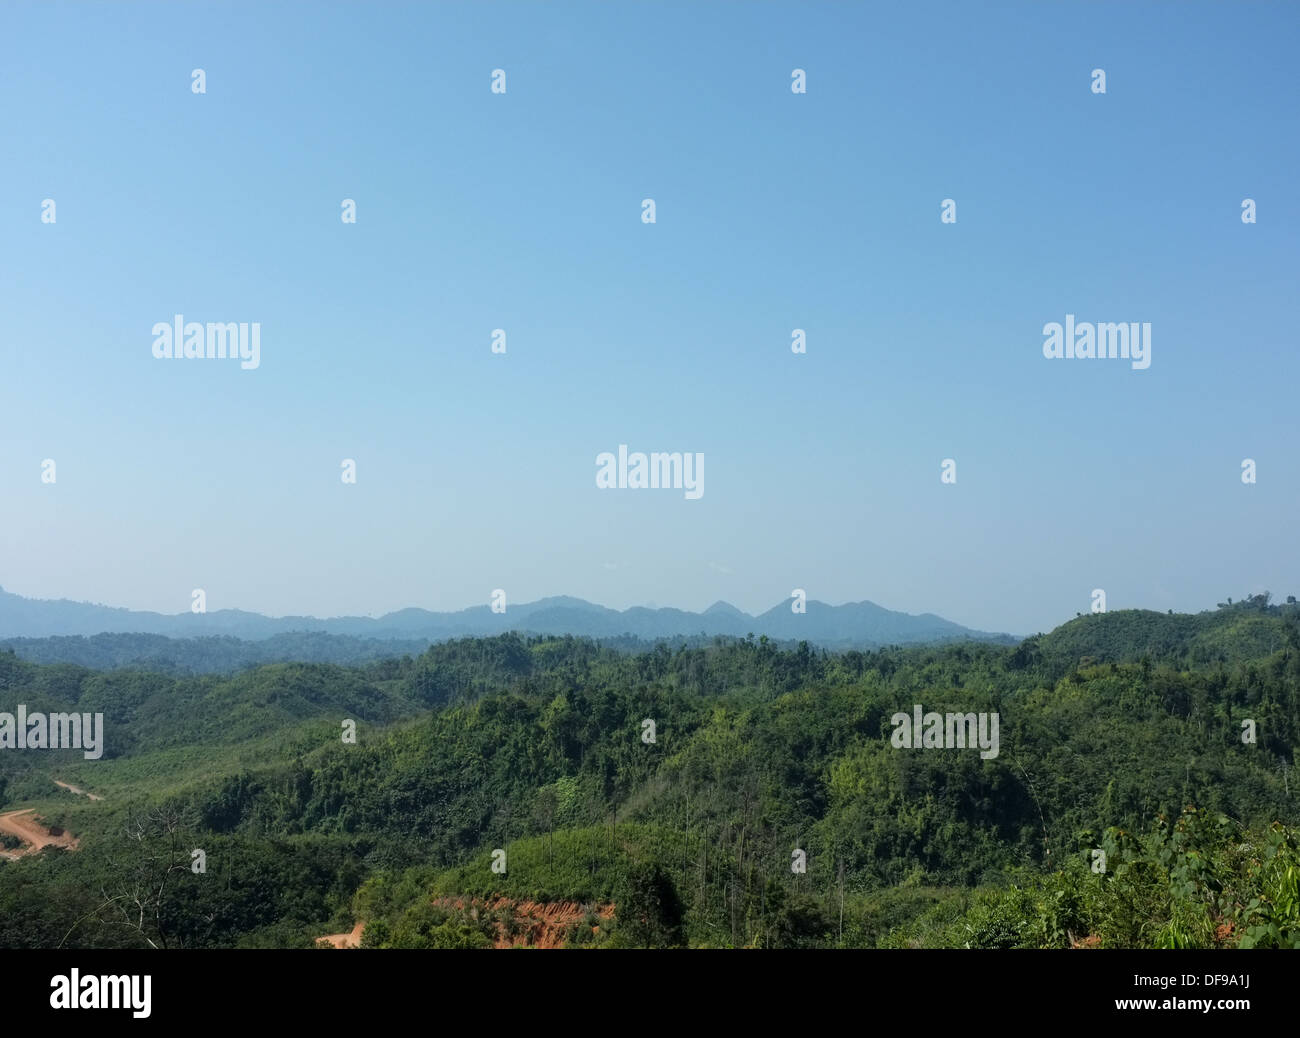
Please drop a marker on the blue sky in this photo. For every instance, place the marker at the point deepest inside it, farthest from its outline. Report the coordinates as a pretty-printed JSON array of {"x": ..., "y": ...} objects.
[{"x": 775, "y": 211}]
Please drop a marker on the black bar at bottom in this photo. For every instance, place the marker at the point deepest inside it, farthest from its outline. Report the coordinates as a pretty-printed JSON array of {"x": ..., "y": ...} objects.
[{"x": 332, "y": 987}]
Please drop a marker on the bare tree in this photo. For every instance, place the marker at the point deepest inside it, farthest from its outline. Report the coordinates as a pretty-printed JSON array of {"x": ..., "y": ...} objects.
[{"x": 139, "y": 897}]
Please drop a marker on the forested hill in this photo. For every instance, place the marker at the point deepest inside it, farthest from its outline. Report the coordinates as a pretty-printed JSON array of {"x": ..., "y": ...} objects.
[
  {"x": 1111, "y": 728},
  {"x": 207, "y": 655},
  {"x": 227, "y": 655},
  {"x": 1243, "y": 630}
]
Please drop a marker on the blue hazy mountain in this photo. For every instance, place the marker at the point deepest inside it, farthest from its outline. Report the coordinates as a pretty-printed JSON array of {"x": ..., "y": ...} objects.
[{"x": 857, "y": 624}]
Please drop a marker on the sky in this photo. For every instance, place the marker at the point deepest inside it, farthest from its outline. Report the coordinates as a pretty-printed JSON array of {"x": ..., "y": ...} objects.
[{"x": 774, "y": 210}]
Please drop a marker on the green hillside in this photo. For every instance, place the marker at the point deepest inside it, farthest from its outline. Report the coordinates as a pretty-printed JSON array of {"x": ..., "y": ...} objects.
[{"x": 1119, "y": 732}]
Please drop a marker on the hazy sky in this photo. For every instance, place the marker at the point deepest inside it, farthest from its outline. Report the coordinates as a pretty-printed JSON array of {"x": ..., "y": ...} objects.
[{"x": 774, "y": 211}]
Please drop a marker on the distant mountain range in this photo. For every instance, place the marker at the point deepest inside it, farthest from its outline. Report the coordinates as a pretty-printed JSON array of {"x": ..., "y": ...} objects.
[{"x": 855, "y": 624}]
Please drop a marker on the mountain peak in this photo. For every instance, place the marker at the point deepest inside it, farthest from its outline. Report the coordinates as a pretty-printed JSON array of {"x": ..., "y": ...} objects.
[
  {"x": 724, "y": 609},
  {"x": 855, "y": 624}
]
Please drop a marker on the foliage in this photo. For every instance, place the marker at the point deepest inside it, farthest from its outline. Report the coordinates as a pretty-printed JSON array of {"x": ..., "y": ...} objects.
[{"x": 1110, "y": 726}]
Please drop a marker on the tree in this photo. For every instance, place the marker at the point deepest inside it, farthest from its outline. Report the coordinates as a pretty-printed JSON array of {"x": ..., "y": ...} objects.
[
  {"x": 649, "y": 909},
  {"x": 141, "y": 896}
]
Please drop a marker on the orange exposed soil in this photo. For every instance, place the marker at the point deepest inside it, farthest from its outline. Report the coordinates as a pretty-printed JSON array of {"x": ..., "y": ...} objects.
[
  {"x": 344, "y": 940},
  {"x": 539, "y": 924},
  {"x": 73, "y": 789},
  {"x": 26, "y": 826}
]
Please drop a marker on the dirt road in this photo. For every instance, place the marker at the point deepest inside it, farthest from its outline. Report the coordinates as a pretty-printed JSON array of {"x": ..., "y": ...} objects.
[
  {"x": 73, "y": 789},
  {"x": 345, "y": 940},
  {"x": 28, "y": 828}
]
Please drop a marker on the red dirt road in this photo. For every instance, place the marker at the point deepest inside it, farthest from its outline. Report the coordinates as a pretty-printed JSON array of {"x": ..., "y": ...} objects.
[{"x": 28, "y": 828}]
